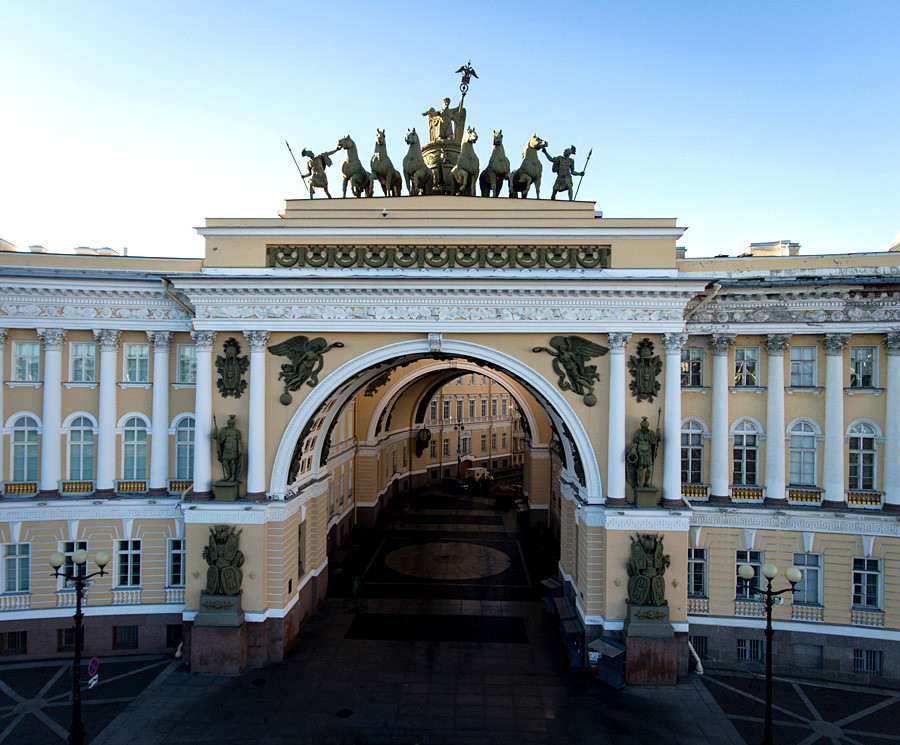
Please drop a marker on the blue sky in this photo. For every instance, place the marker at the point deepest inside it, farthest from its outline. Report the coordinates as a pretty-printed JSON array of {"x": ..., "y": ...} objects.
[{"x": 127, "y": 124}]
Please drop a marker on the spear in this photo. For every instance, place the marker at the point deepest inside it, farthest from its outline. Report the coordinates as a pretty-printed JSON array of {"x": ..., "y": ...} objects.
[
  {"x": 301, "y": 172},
  {"x": 656, "y": 449},
  {"x": 583, "y": 171}
]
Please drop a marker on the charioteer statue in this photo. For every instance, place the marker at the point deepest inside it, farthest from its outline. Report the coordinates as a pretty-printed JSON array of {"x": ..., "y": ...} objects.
[{"x": 564, "y": 168}]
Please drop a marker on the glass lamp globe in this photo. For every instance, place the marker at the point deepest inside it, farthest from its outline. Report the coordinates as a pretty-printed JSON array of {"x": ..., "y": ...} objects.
[
  {"x": 80, "y": 556},
  {"x": 746, "y": 572},
  {"x": 793, "y": 575},
  {"x": 57, "y": 560},
  {"x": 102, "y": 559},
  {"x": 770, "y": 571}
]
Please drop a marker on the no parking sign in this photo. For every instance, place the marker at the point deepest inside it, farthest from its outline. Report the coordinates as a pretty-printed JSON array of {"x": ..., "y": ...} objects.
[{"x": 93, "y": 666}]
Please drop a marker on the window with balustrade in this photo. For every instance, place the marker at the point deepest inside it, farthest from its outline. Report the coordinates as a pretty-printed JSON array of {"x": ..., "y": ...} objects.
[
  {"x": 808, "y": 589},
  {"x": 184, "y": 449},
  {"x": 134, "y": 450},
  {"x": 129, "y": 564},
  {"x": 17, "y": 567},
  {"x": 802, "y": 454},
  {"x": 81, "y": 449},
  {"x": 743, "y": 588},
  {"x": 867, "y": 583},
  {"x": 24, "y": 445},
  {"x": 691, "y": 453},
  {"x": 175, "y": 573},
  {"x": 697, "y": 572},
  {"x": 745, "y": 453},
  {"x": 862, "y": 447}
]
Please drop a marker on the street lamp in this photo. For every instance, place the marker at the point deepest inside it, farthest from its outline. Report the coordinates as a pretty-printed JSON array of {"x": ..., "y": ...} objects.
[
  {"x": 460, "y": 428},
  {"x": 79, "y": 558},
  {"x": 769, "y": 571}
]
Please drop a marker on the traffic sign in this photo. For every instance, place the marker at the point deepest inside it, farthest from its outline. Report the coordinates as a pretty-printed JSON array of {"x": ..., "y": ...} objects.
[
  {"x": 93, "y": 681},
  {"x": 93, "y": 666}
]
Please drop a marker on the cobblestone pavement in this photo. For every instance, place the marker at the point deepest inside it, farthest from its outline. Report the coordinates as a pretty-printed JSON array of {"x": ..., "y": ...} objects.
[{"x": 808, "y": 713}]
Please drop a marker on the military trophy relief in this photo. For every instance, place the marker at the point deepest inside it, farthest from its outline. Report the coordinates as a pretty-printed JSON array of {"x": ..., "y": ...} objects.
[
  {"x": 570, "y": 357},
  {"x": 306, "y": 362},
  {"x": 648, "y": 609},
  {"x": 220, "y": 602},
  {"x": 645, "y": 368},
  {"x": 230, "y": 454},
  {"x": 445, "y": 164},
  {"x": 231, "y": 368}
]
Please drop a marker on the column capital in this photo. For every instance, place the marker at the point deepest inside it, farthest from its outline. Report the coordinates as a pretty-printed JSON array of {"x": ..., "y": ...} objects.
[
  {"x": 891, "y": 341},
  {"x": 204, "y": 340},
  {"x": 257, "y": 340},
  {"x": 108, "y": 338},
  {"x": 160, "y": 340},
  {"x": 719, "y": 343},
  {"x": 777, "y": 343},
  {"x": 4, "y": 336},
  {"x": 835, "y": 343},
  {"x": 674, "y": 342},
  {"x": 618, "y": 340},
  {"x": 52, "y": 338}
]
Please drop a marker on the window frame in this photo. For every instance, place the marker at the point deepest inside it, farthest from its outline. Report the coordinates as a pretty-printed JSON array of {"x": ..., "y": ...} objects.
[
  {"x": 175, "y": 562},
  {"x": 862, "y": 475},
  {"x": 31, "y": 463},
  {"x": 805, "y": 458},
  {"x": 17, "y": 562},
  {"x": 860, "y": 379},
  {"x": 755, "y": 558},
  {"x": 812, "y": 574},
  {"x": 128, "y": 563},
  {"x": 863, "y": 570},
  {"x": 186, "y": 353},
  {"x": 744, "y": 428},
  {"x": 184, "y": 464},
  {"x": 697, "y": 568},
  {"x": 80, "y": 445},
  {"x": 67, "y": 548},
  {"x": 807, "y": 377},
  {"x": 746, "y": 375},
  {"x": 691, "y": 367},
  {"x": 691, "y": 428},
  {"x": 136, "y": 367},
  {"x": 138, "y": 449},
  {"x": 74, "y": 357},
  {"x": 30, "y": 372}
]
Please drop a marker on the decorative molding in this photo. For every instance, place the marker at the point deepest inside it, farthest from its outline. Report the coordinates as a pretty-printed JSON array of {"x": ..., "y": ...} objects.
[
  {"x": 434, "y": 341},
  {"x": 749, "y": 518},
  {"x": 450, "y": 257},
  {"x": 642, "y": 520},
  {"x": 60, "y": 302},
  {"x": 89, "y": 509}
]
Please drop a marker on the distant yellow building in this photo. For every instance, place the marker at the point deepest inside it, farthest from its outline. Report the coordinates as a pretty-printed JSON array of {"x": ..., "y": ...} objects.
[{"x": 778, "y": 403}]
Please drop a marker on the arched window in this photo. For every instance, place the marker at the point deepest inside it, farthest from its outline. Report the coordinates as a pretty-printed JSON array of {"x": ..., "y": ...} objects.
[
  {"x": 81, "y": 449},
  {"x": 862, "y": 457},
  {"x": 745, "y": 453},
  {"x": 691, "y": 453},
  {"x": 802, "y": 447},
  {"x": 184, "y": 448},
  {"x": 134, "y": 450},
  {"x": 25, "y": 449}
]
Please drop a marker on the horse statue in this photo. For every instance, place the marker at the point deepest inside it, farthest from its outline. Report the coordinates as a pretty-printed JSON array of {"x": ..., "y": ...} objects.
[
  {"x": 529, "y": 172},
  {"x": 497, "y": 170},
  {"x": 414, "y": 169},
  {"x": 383, "y": 170},
  {"x": 352, "y": 170},
  {"x": 465, "y": 172}
]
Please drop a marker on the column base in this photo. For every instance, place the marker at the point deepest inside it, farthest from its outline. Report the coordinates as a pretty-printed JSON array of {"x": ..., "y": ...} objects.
[
  {"x": 199, "y": 496},
  {"x": 769, "y": 502},
  {"x": 829, "y": 505},
  {"x": 889, "y": 507},
  {"x": 104, "y": 493},
  {"x": 48, "y": 494},
  {"x": 673, "y": 504},
  {"x": 616, "y": 502},
  {"x": 254, "y": 496},
  {"x": 716, "y": 499},
  {"x": 157, "y": 491}
]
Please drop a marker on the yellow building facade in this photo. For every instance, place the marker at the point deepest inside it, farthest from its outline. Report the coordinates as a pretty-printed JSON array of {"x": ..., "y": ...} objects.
[{"x": 778, "y": 404}]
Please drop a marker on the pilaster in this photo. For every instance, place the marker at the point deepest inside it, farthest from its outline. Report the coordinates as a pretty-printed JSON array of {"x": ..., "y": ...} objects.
[
  {"x": 671, "y": 496},
  {"x": 159, "y": 438},
  {"x": 108, "y": 339},
  {"x": 615, "y": 476},
  {"x": 720, "y": 478},
  {"x": 833, "y": 480},
  {"x": 775, "y": 478},
  {"x": 203, "y": 416},
  {"x": 256, "y": 436},
  {"x": 51, "y": 414}
]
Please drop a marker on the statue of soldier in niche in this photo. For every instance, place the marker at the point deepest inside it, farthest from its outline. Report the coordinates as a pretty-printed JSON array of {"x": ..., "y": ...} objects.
[
  {"x": 564, "y": 168},
  {"x": 229, "y": 449},
  {"x": 641, "y": 454},
  {"x": 316, "y": 165}
]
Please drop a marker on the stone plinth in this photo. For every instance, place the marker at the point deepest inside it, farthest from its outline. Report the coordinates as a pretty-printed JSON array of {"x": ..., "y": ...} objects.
[
  {"x": 652, "y": 661},
  {"x": 226, "y": 491},
  {"x": 218, "y": 649},
  {"x": 219, "y": 610},
  {"x": 646, "y": 497}
]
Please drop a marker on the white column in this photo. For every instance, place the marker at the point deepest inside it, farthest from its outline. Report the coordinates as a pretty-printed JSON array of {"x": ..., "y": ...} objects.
[
  {"x": 51, "y": 415},
  {"x": 833, "y": 481},
  {"x": 256, "y": 434},
  {"x": 775, "y": 478},
  {"x": 203, "y": 415},
  {"x": 720, "y": 476},
  {"x": 892, "y": 425},
  {"x": 159, "y": 434},
  {"x": 672, "y": 422},
  {"x": 3, "y": 338},
  {"x": 615, "y": 469},
  {"x": 106, "y": 419}
]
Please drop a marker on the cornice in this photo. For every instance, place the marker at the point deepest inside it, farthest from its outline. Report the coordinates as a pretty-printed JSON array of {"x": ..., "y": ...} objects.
[
  {"x": 83, "y": 509},
  {"x": 839, "y": 522}
]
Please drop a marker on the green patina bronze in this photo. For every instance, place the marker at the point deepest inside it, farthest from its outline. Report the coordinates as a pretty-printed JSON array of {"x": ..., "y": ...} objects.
[
  {"x": 224, "y": 559},
  {"x": 570, "y": 357},
  {"x": 231, "y": 369},
  {"x": 644, "y": 367},
  {"x": 646, "y": 569},
  {"x": 229, "y": 450},
  {"x": 641, "y": 455},
  {"x": 306, "y": 362},
  {"x": 564, "y": 168}
]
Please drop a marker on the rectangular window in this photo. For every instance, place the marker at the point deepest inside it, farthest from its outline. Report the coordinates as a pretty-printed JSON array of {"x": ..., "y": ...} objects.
[
  {"x": 68, "y": 548},
  {"x": 471, "y": 408},
  {"x": 484, "y": 443},
  {"x": 446, "y": 408},
  {"x": 493, "y": 441},
  {"x": 701, "y": 646},
  {"x": 26, "y": 361},
  {"x": 459, "y": 407},
  {"x": 691, "y": 367},
  {"x": 466, "y": 445},
  {"x": 744, "y": 455},
  {"x": 484, "y": 408},
  {"x": 65, "y": 640},
  {"x": 129, "y": 564},
  {"x": 82, "y": 359},
  {"x": 493, "y": 407},
  {"x": 446, "y": 450},
  {"x": 176, "y": 562},
  {"x": 862, "y": 367},
  {"x": 432, "y": 411},
  {"x": 137, "y": 363},
  {"x": 807, "y": 589},
  {"x": 743, "y": 588},
  {"x": 697, "y": 572},
  {"x": 472, "y": 379},
  {"x": 504, "y": 407},
  {"x": 866, "y": 583},
  {"x": 746, "y": 362},
  {"x": 868, "y": 662},
  {"x": 186, "y": 364},
  {"x": 803, "y": 367},
  {"x": 14, "y": 642},
  {"x": 17, "y": 567},
  {"x": 691, "y": 454},
  {"x": 125, "y": 637},
  {"x": 433, "y": 450},
  {"x": 503, "y": 440},
  {"x": 750, "y": 650}
]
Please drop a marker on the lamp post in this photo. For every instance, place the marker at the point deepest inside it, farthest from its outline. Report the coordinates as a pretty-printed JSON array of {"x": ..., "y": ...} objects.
[
  {"x": 460, "y": 428},
  {"x": 79, "y": 558},
  {"x": 769, "y": 571}
]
